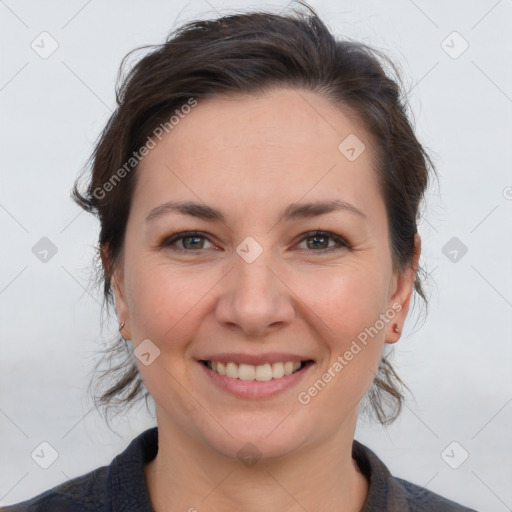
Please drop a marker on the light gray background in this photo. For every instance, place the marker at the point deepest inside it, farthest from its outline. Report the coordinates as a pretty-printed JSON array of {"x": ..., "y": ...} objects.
[{"x": 457, "y": 364}]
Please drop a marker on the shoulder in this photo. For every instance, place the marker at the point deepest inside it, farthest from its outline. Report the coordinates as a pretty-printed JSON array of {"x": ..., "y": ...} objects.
[
  {"x": 420, "y": 499},
  {"x": 81, "y": 494},
  {"x": 387, "y": 492},
  {"x": 118, "y": 486}
]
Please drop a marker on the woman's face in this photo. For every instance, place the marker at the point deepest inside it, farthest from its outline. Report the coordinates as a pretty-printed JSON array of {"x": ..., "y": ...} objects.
[{"x": 256, "y": 284}]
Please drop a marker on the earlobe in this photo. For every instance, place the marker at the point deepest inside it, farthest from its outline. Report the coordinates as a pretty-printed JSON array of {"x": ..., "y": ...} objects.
[
  {"x": 121, "y": 304},
  {"x": 403, "y": 294},
  {"x": 117, "y": 286}
]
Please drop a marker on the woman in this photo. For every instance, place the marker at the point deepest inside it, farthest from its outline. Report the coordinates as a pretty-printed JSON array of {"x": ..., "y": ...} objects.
[{"x": 258, "y": 190}]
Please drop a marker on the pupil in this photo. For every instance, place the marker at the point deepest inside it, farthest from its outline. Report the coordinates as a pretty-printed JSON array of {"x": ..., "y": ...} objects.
[
  {"x": 196, "y": 238},
  {"x": 318, "y": 238}
]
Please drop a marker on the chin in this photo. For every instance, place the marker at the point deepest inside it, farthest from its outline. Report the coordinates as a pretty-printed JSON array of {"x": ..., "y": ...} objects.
[{"x": 259, "y": 436}]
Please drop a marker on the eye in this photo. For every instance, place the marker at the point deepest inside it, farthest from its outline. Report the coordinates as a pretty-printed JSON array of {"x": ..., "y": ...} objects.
[
  {"x": 194, "y": 241},
  {"x": 319, "y": 241},
  {"x": 190, "y": 241}
]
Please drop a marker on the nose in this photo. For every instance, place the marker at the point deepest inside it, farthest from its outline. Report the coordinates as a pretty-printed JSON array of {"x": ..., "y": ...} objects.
[{"x": 255, "y": 298}]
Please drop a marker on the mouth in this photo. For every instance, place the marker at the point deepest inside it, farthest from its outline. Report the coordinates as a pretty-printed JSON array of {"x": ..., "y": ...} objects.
[{"x": 260, "y": 373}]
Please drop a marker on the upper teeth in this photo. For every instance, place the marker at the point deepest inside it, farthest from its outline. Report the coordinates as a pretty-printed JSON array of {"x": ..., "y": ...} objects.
[{"x": 263, "y": 372}]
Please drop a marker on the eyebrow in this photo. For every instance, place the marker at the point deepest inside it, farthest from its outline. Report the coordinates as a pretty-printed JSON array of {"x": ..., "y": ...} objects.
[{"x": 292, "y": 212}]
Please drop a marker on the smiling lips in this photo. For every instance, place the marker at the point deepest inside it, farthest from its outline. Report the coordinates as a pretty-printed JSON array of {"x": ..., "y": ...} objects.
[
  {"x": 251, "y": 376},
  {"x": 248, "y": 372}
]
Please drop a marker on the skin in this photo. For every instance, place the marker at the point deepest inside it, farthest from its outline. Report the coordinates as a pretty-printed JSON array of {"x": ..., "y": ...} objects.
[{"x": 251, "y": 157}]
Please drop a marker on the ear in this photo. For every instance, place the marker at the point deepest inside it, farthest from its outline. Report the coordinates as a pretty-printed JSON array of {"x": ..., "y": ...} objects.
[
  {"x": 117, "y": 284},
  {"x": 401, "y": 297}
]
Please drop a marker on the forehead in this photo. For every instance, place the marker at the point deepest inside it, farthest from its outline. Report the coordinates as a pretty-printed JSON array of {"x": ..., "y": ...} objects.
[{"x": 281, "y": 145}]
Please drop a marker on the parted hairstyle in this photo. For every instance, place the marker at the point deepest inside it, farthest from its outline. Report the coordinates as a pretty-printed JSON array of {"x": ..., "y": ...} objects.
[{"x": 250, "y": 52}]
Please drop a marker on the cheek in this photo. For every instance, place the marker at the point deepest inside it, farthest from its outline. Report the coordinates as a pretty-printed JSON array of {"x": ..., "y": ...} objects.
[
  {"x": 165, "y": 299},
  {"x": 346, "y": 299},
  {"x": 348, "y": 304},
  {"x": 165, "y": 307}
]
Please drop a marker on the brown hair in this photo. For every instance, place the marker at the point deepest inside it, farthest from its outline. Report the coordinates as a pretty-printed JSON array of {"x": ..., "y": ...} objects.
[{"x": 250, "y": 53}]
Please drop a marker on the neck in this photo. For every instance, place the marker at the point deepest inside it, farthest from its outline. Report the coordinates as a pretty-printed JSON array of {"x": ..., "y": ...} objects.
[{"x": 187, "y": 476}]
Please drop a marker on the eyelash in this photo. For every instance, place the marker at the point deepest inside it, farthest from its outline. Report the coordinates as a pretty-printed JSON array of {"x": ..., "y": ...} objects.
[{"x": 169, "y": 241}]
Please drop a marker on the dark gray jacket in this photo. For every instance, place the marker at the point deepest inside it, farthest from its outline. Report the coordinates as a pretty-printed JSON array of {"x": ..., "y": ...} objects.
[{"x": 121, "y": 486}]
